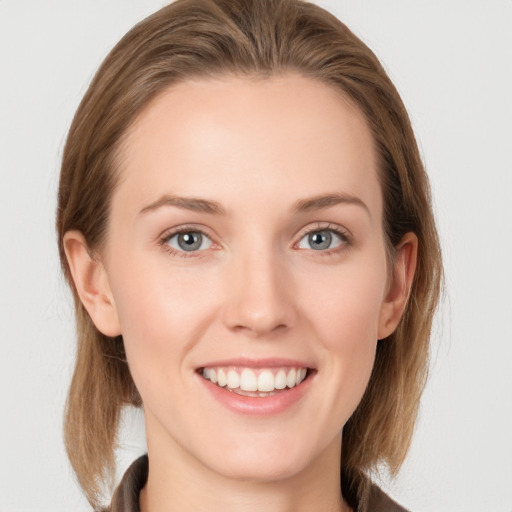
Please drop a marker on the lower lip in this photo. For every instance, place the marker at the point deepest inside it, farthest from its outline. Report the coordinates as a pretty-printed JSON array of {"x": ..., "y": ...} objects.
[{"x": 257, "y": 406}]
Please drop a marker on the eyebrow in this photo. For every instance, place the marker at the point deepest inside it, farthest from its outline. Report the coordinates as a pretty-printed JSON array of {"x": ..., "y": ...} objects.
[
  {"x": 213, "y": 207},
  {"x": 188, "y": 203},
  {"x": 328, "y": 200}
]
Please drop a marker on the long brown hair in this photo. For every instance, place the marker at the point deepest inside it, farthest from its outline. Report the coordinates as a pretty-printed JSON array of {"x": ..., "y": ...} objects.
[{"x": 201, "y": 38}]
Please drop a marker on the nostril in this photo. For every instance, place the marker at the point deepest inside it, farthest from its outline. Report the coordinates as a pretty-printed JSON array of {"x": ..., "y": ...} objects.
[
  {"x": 260, "y": 303},
  {"x": 258, "y": 328}
]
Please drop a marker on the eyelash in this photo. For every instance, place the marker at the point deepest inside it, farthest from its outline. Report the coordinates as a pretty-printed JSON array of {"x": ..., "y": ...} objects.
[
  {"x": 167, "y": 235},
  {"x": 343, "y": 234}
]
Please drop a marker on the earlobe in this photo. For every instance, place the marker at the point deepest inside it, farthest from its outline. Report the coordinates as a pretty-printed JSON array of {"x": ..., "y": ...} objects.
[
  {"x": 404, "y": 268},
  {"x": 92, "y": 285}
]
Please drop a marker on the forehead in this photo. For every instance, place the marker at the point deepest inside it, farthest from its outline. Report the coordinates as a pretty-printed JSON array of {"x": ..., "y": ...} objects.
[{"x": 280, "y": 137}]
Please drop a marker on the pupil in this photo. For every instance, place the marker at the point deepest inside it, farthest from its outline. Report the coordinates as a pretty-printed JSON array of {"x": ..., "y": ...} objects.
[
  {"x": 320, "y": 240},
  {"x": 190, "y": 241}
]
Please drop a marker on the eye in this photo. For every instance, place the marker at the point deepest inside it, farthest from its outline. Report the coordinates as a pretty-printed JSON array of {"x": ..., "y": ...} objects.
[
  {"x": 322, "y": 240},
  {"x": 189, "y": 241}
]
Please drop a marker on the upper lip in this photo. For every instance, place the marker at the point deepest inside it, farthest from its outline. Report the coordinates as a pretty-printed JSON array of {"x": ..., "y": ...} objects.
[{"x": 270, "y": 362}]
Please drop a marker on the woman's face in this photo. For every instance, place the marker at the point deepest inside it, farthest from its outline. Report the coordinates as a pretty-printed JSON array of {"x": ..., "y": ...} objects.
[{"x": 245, "y": 246}]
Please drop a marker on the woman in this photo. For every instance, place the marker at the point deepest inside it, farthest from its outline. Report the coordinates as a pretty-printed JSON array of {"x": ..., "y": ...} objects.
[{"x": 246, "y": 225}]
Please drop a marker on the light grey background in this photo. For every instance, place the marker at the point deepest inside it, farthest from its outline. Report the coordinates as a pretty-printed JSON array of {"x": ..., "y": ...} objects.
[{"x": 451, "y": 60}]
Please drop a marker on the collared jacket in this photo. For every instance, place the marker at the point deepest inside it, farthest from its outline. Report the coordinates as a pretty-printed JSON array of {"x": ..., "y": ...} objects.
[{"x": 126, "y": 497}]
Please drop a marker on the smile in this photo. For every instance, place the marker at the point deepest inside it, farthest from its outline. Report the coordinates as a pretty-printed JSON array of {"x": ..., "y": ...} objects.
[{"x": 261, "y": 382}]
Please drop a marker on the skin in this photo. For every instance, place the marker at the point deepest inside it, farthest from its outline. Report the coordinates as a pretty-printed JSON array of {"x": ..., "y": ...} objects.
[{"x": 256, "y": 288}]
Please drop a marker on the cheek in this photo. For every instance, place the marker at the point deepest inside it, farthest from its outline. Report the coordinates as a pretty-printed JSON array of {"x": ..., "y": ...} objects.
[
  {"x": 346, "y": 302},
  {"x": 345, "y": 318},
  {"x": 163, "y": 312}
]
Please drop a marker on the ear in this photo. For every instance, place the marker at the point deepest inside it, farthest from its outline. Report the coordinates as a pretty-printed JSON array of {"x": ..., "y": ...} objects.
[
  {"x": 91, "y": 282},
  {"x": 404, "y": 267}
]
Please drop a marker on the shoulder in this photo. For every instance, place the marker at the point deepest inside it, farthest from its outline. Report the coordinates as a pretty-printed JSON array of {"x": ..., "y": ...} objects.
[
  {"x": 378, "y": 501},
  {"x": 126, "y": 497}
]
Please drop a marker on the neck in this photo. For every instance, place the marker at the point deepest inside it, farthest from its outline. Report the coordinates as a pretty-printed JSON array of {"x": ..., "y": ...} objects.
[{"x": 178, "y": 481}]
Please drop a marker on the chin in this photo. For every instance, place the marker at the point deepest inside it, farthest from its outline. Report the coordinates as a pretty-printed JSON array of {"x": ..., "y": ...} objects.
[
  {"x": 270, "y": 460},
  {"x": 260, "y": 470}
]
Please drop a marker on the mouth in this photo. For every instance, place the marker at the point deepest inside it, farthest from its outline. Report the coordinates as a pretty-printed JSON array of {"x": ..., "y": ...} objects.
[{"x": 255, "y": 382}]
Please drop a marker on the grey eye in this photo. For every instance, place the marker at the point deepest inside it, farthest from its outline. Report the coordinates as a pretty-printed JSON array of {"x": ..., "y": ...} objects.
[
  {"x": 189, "y": 241},
  {"x": 321, "y": 240}
]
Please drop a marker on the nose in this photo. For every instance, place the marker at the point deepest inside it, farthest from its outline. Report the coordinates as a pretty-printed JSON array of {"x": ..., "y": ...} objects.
[{"x": 260, "y": 295}]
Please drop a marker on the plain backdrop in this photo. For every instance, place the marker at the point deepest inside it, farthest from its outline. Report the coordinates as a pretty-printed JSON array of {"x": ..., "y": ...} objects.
[{"x": 451, "y": 61}]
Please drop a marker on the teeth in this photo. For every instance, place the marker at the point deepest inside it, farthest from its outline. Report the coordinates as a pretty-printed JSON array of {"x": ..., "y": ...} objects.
[
  {"x": 233, "y": 380},
  {"x": 266, "y": 381},
  {"x": 221, "y": 378},
  {"x": 291, "y": 378},
  {"x": 261, "y": 382},
  {"x": 248, "y": 380},
  {"x": 280, "y": 382}
]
